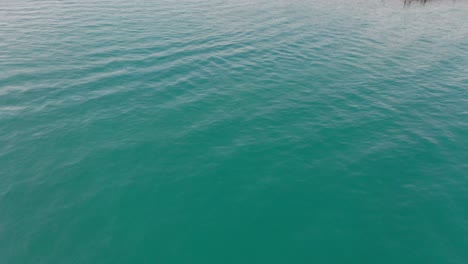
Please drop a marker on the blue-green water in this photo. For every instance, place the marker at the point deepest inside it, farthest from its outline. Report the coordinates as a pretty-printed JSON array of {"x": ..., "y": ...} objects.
[{"x": 218, "y": 131}]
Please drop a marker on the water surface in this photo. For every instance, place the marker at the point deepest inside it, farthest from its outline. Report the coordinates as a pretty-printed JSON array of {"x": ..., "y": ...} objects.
[{"x": 248, "y": 131}]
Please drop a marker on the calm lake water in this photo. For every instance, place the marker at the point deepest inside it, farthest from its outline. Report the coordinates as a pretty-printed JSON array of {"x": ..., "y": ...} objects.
[{"x": 247, "y": 131}]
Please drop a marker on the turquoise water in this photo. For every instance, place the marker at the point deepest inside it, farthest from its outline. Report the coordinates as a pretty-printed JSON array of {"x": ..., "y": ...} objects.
[{"x": 218, "y": 131}]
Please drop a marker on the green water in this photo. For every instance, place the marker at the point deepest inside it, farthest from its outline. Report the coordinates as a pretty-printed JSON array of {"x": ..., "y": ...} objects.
[{"x": 219, "y": 131}]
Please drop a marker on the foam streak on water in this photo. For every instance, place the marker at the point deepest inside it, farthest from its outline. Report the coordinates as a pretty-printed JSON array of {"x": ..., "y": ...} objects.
[{"x": 221, "y": 131}]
